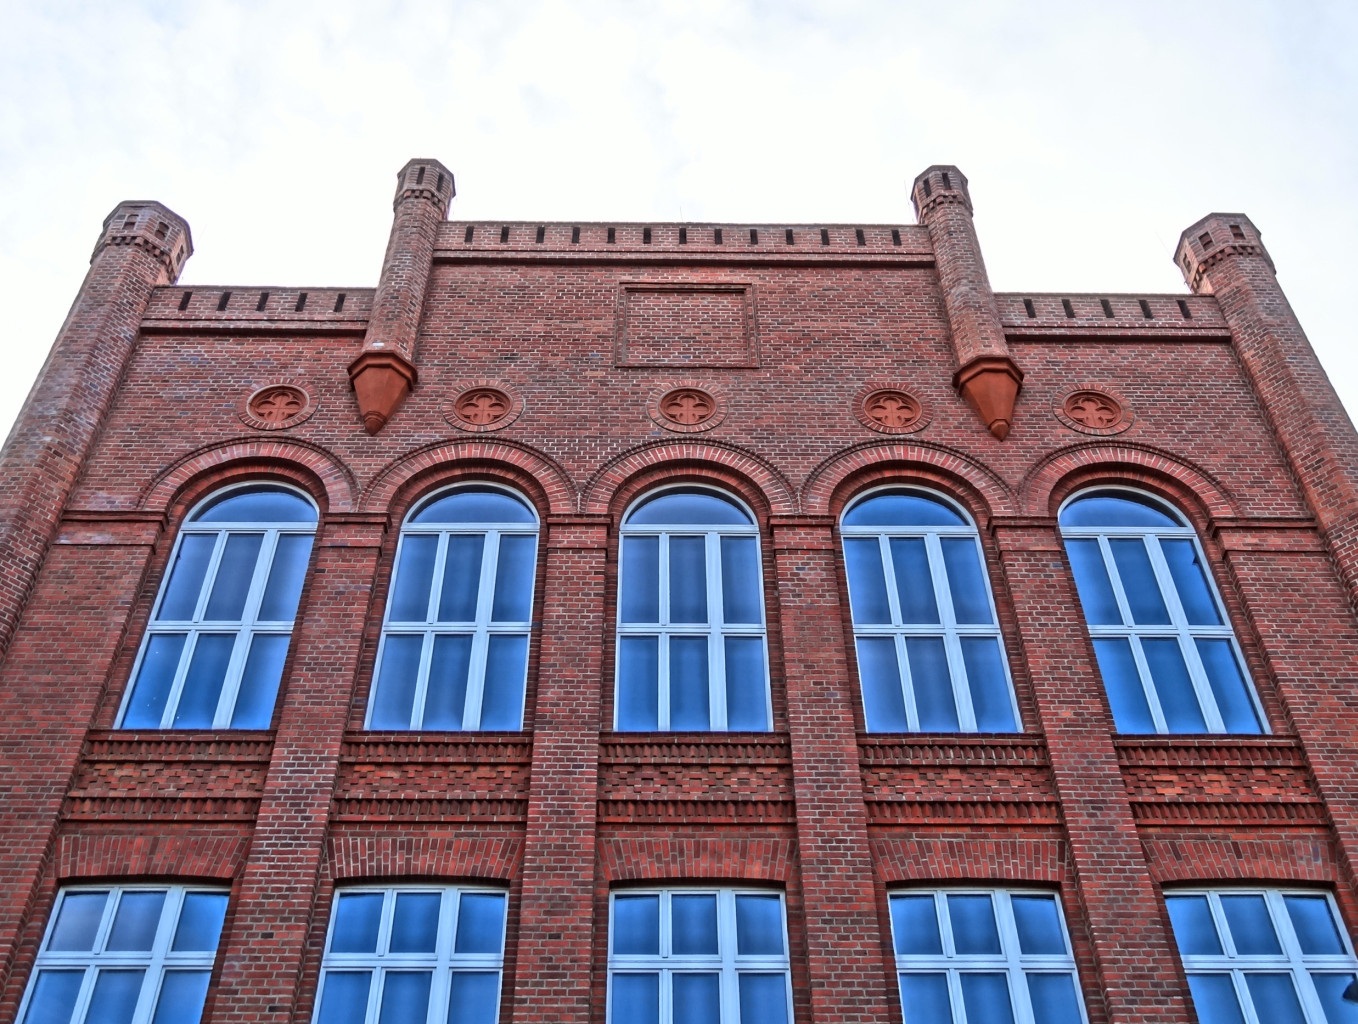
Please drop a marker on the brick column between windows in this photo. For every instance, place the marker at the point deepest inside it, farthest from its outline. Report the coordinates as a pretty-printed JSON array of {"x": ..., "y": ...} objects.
[
  {"x": 1134, "y": 951},
  {"x": 1306, "y": 626},
  {"x": 263, "y": 950},
  {"x": 843, "y": 931},
  {"x": 556, "y": 913},
  {"x": 55, "y": 676}
]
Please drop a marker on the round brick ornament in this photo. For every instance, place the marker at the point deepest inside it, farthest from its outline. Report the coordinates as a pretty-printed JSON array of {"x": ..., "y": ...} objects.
[
  {"x": 483, "y": 405},
  {"x": 1092, "y": 409},
  {"x": 688, "y": 407},
  {"x": 889, "y": 409},
  {"x": 277, "y": 407}
]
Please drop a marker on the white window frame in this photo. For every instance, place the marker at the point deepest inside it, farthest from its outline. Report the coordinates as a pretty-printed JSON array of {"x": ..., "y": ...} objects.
[
  {"x": 716, "y": 630},
  {"x": 1292, "y": 960},
  {"x": 479, "y": 629},
  {"x": 727, "y": 963},
  {"x": 948, "y": 628},
  {"x": 1178, "y": 628},
  {"x": 155, "y": 962},
  {"x": 443, "y": 962},
  {"x": 1011, "y": 961},
  {"x": 246, "y": 628}
]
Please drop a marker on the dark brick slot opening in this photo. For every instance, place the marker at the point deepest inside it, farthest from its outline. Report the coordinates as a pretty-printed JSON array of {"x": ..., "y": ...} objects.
[
  {"x": 467, "y": 237},
  {"x": 575, "y": 236},
  {"x": 339, "y": 302},
  {"x": 419, "y": 176},
  {"x": 184, "y": 301},
  {"x": 223, "y": 301},
  {"x": 716, "y": 235},
  {"x": 858, "y": 234},
  {"x": 824, "y": 236},
  {"x": 504, "y": 233},
  {"x": 895, "y": 236},
  {"x": 646, "y": 236},
  {"x": 1028, "y": 308},
  {"x": 754, "y": 236},
  {"x": 1107, "y": 308},
  {"x": 790, "y": 240},
  {"x": 612, "y": 235},
  {"x": 542, "y": 233},
  {"x": 1070, "y": 310},
  {"x": 683, "y": 236},
  {"x": 1146, "y": 309},
  {"x": 262, "y": 303},
  {"x": 1183, "y": 309},
  {"x": 1237, "y": 233},
  {"x": 301, "y": 301}
]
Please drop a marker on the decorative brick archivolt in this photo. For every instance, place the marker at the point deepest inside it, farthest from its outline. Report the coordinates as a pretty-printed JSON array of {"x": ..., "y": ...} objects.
[
  {"x": 204, "y": 853},
  {"x": 517, "y": 465},
  {"x": 713, "y": 462},
  {"x": 983, "y": 856},
  {"x": 830, "y": 485},
  {"x": 712, "y": 860},
  {"x": 1093, "y": 409},
  {"x": 492, "y": 855},
  {"x": 889, "y": 408},
  {"x": 308, "y": 465},
  {"x": 483, "y": 405},
  {"x": 277, "y": 406},
  {"x": 1279, "y": 855},
  {"x": 687, "y": 407},
  {"x": 1197, "y": 493}
]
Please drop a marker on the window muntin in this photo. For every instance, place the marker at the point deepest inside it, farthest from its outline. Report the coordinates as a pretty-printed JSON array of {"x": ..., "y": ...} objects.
[
  {"x": 126, "y": 955},
  {"x": 1264, "y": 956},
  {"x": 213, "y": 653},
  {"x": 988, "y": 956},
  {"x": 691, "y": 647},
  {"x": 413, "y": 955},
  {"x": 698, "y": 956},
  {"x": 930, "y": 656},
  {"x": 1167, "y": 654},
  {"x": 454, "y": 649}
]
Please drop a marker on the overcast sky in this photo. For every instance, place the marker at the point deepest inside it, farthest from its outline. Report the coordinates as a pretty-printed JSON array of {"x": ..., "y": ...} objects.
[{"x": 1092, "y": 133}]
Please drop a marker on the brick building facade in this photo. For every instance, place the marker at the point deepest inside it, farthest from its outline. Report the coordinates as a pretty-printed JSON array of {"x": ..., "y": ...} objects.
[{"x": 678, "y": 623}]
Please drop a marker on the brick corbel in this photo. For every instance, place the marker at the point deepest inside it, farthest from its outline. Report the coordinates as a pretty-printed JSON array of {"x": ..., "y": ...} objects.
[
  {"x": 991, "y": 384},
  {"x": 381, "y": 381}
]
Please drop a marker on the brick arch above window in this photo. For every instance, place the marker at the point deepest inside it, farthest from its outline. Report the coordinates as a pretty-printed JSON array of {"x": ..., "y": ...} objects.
[
  {"x": 620, "y": 481},
  {"x": 696, "y": 860},
  {"x": 1193, "y": 490},
  {"x": 185, "y": 482},
  {"x": 839, "y": 479},
  {"x": 542, "y": 480},
  {"x": 369, "y": 858}
]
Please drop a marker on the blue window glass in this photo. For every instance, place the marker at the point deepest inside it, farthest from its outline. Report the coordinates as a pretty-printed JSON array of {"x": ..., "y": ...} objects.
[
  {"x": 964, "y": 956},
  {"x": 930, "y": 656},
  {"x": 1264, "y": 955},
  {"x": 691, "y": 645},
  {"x": 454, "y": 649},
  {"x": 413, "y": 953},
  {"x": 213, "y": 653},
  {"x": 1169, "y": 659},
  {"x": 126, "y": 955}
]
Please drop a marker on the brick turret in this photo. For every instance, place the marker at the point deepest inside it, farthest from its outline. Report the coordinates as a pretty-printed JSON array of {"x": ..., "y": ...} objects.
[
  {"x": 384, "y": 372},
  {"x": 987, "y": 376},
  {"x": 1223, "y": 255},
  {"x": 143, "y": 244}
]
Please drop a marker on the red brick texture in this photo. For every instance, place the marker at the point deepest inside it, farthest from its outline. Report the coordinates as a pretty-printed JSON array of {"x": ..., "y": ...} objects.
[{"x": 137, "y": 417}]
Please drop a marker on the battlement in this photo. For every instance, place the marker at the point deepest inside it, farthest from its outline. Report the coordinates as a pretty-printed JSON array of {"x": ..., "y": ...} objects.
[{"x": 908, "y": 242}]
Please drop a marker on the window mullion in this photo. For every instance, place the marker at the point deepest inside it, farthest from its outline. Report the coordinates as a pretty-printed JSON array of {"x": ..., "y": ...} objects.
[
  {"x": 209, "y": 574},
  {"x": 422, "y": 679},
  {"x": 1143, "y": 672},
  {"x": 907, "y": 683},
  {"x": 180, "y": 676},
  {"x": 1197, "y": 675},
  {"x": 1115, "y": 580},
  {"x": 952, "y": 644},
  {"x": 893, "y": 598},
  {"x": 716, "y": 634}
]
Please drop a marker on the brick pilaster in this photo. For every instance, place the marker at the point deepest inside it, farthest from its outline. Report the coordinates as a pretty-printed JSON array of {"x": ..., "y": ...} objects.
[
  {"x": 843, "y": 936},
  {"x": 264, "y": 949},
  {"x": 556, "y": 914},
  {"x": 1136, "y": 957},
  {"x": 57, "y": 670}
]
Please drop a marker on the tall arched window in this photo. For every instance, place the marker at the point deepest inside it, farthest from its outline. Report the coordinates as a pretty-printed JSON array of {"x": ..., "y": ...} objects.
[
  {"x": 1168, "y": 657},
  {"x": 214, "y": 649},
  {"x": 691, "y": 651},
  {"x": 454, "y": 651},
  {"x": 930, "y": 658}
]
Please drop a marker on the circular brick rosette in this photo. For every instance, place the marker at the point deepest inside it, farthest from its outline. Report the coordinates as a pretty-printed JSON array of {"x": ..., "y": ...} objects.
[
  {"x": 688, "y": 407},
  {"x": 890, "y": 409},
  {"x": 483, "y": 405},
  {"x": 1094, "y": 410},
  {"x": 277, "y": 406}
]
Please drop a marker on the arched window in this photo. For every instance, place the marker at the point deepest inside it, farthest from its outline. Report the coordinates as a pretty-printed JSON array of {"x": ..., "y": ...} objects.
[
  {"x": 454, "y": 652},
  {"x": 691, "y": 653},
  {"x": 214, "y": 649},
  {"x": 930, "y": 658},
  {"x": 1168, "y": 657}
]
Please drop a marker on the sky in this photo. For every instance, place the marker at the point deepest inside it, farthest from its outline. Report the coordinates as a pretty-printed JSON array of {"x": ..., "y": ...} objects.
[{"x": 1092, "y": 133}]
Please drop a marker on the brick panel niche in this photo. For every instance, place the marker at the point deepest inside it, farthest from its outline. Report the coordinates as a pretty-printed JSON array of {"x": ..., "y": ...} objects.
[{"x": 688, "y": 325}]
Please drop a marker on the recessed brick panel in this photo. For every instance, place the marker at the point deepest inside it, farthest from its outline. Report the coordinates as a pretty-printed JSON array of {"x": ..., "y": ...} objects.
[{"x": 686, "y": 325}]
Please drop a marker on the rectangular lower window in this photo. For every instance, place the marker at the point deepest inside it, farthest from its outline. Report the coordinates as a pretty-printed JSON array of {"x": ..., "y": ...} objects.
[
  {"x": 413, "y": 955},
  {"x": 989, "y": 955},
  {"x": 126, "y": 955},
  {"x": 698, "y": 956},
  {"x": 1265, "y": 956}
]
